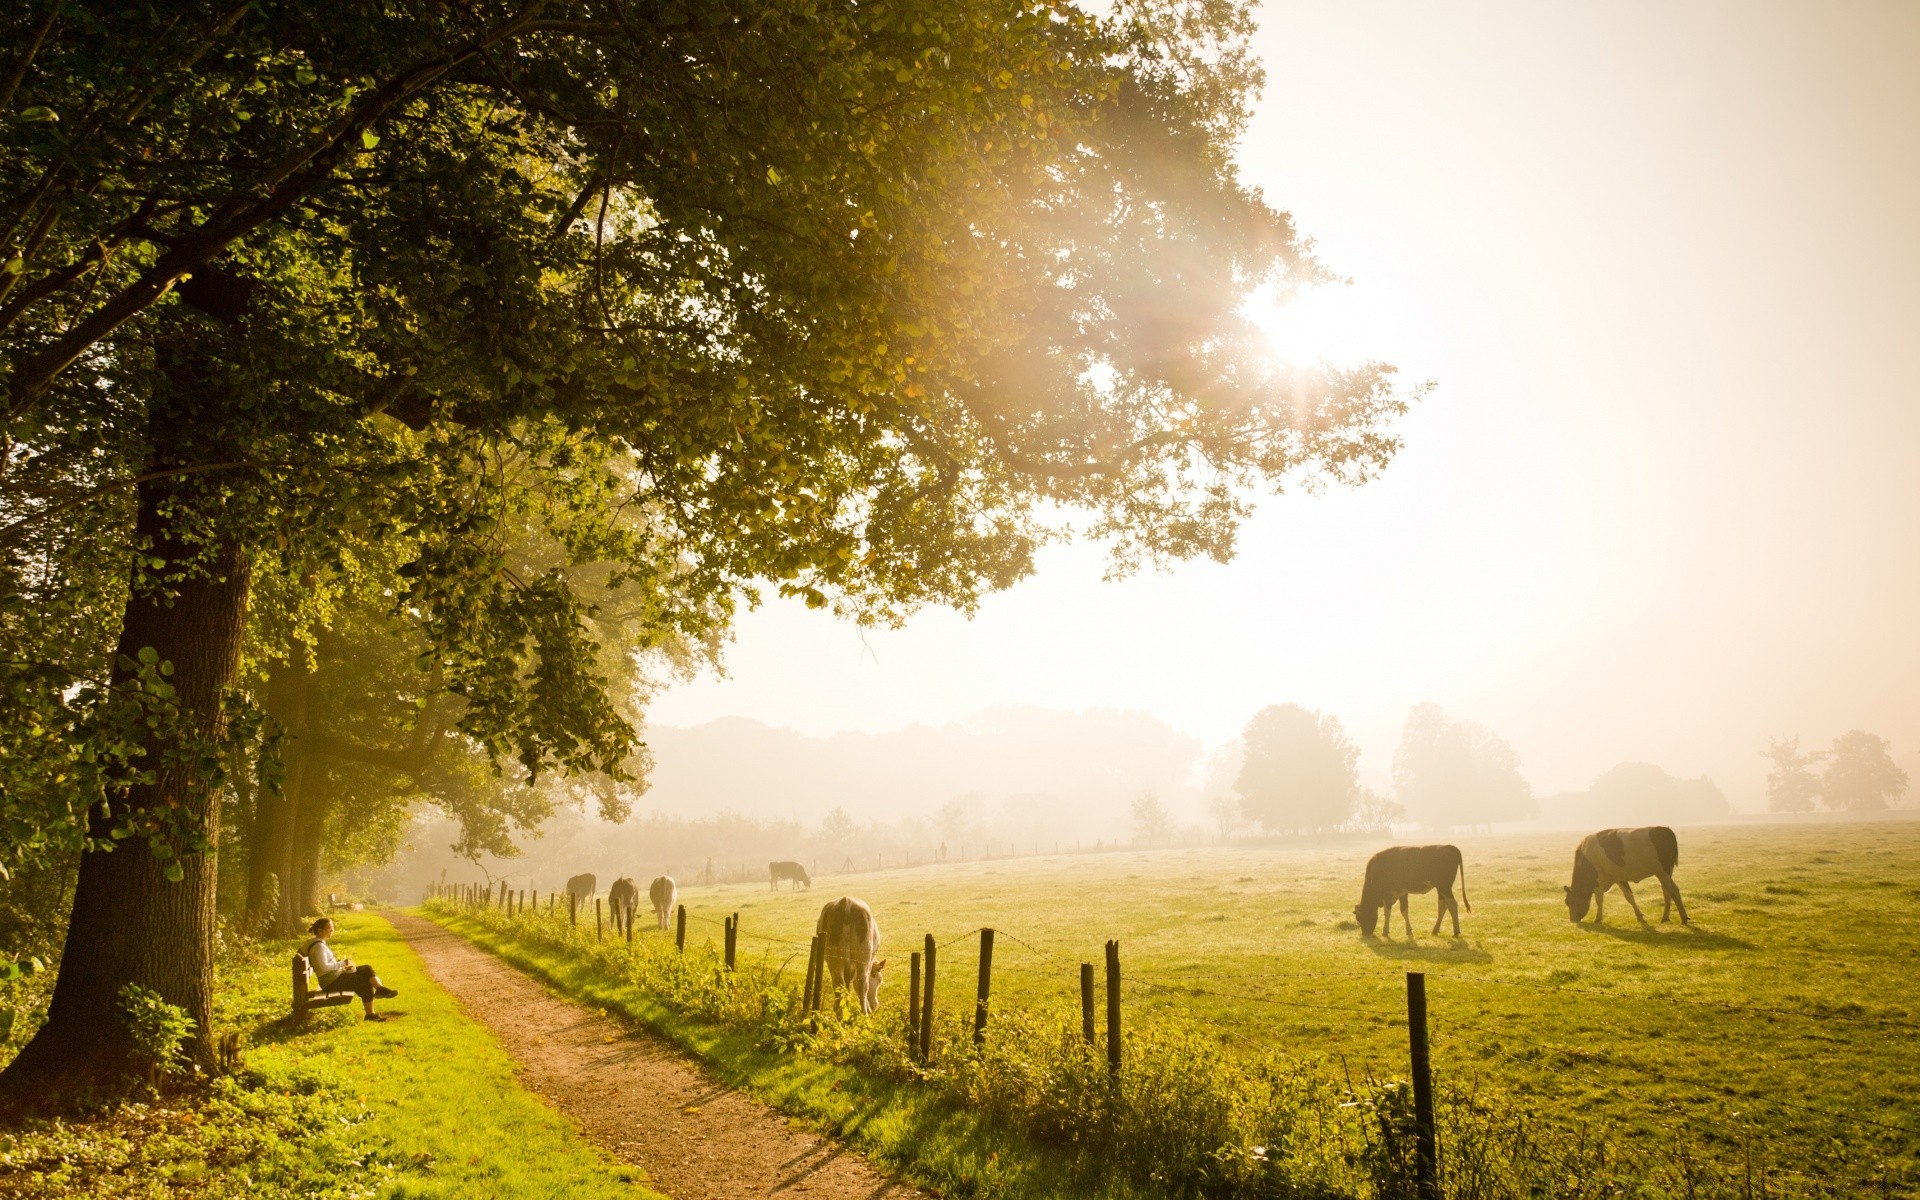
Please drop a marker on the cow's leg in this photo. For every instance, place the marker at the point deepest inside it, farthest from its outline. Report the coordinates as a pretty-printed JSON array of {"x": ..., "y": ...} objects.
[
  {"x": 1448, "y": 907},
  {"x": 1600, "y": 906},
  {"x": 1626, "y": 889},
  {"x": 1671, "y": 891},
  {"x": 1405, "y": 919}
]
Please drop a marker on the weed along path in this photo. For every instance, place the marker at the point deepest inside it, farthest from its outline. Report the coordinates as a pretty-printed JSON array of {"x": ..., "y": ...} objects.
[{"x": 638, "y": 1097}]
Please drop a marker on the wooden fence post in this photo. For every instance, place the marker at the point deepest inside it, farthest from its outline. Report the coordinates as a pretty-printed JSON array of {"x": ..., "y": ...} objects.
[
  {"x": 536, "y": 902},
  {"x": 596, "y": 918},
  {"x": 926, "y": 1004},
  {"x": 1426, "y": 1149},
  {"x": 913, "y": 1002},
  {"x": 573, "y": 908},
  {"x": 733, "y": 938},
  {"x": 680, "y": 930},
  {"x": 1086, "y": 1002},
  {"x": 817, "y": 993},
  {"x": 630, "y": 908},
  {"x": 986, "y": 986},
  {"x": 1113, "y": 1008},
  {"x": 813, "y": 971}
]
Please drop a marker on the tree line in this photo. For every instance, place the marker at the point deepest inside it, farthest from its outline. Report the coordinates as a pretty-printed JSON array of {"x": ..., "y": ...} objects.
[{"x": 396, "y": 396}]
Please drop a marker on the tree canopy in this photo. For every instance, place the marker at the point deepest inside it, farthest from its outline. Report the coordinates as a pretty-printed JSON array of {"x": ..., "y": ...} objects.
[
  {"x": 1448, "y": 772},
  {"x": 1300, "y": 771},
  {"x": 1861, "y": 775},
  {"x": 310, "y": 307}
]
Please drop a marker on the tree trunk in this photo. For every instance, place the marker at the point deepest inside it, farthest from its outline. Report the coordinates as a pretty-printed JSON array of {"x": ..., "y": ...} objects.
[
  {"x": 310, "y": 832},
  {"x": 130, "y": 924},
  {"x": 272, "y": 853}
]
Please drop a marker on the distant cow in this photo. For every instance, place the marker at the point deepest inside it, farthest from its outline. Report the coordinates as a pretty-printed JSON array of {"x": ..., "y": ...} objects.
[
  {"x": 623, "y": 898},
  {"x": 849, "y": 939},
  {"x": 582, "y": 887},
  {"x": 1617, "y": 858},
  {"x": 664, "y": 895},
  {"x": 776, "y": 871},
  {"x": 1399, "y": 871}
]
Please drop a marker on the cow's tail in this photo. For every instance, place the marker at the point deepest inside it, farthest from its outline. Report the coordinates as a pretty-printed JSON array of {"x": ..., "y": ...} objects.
[
  {"x": 1460, "y": 861},
  {"x": 1666, "y": 846}
]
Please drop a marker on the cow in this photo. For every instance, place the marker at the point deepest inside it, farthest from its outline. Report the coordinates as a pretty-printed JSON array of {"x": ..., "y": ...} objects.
[
  {"x": 1618, "y": 858},
  {"x": 664, "y": 895},
  {"x": 623, "y": 898},
  {"x": 580, "y": 888},
  {"x": 776, "y": 871},
  {"x": 1399, "y": 871},
  {"x": 849, "y": 938}
]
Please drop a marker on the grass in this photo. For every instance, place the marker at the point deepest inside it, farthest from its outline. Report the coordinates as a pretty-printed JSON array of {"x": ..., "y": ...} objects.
[
  {"x": 422, "y": 1105},
  {"x": 1775, "y": 1034}
]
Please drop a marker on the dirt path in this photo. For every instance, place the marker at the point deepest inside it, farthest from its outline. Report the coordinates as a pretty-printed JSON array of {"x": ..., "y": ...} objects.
[{"x": 639, "y": 1097}]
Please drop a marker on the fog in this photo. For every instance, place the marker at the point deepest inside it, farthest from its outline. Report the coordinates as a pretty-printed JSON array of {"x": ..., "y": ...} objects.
[{"x": 1659, "y": 508}]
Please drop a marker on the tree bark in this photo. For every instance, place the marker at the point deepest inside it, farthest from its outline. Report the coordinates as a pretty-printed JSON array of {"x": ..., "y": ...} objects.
[
  {"x": 130, "y": 924},
  {"x": 309, "y": 836},
  {"x": 272, "y": 852}
]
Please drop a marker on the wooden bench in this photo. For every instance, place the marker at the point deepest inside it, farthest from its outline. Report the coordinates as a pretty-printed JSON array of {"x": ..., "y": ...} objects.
[{"x": 306, "y": 996}]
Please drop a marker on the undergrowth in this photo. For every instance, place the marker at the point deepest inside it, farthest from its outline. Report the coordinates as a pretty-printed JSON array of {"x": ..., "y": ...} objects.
[{"x": 1034, "y": 1107}]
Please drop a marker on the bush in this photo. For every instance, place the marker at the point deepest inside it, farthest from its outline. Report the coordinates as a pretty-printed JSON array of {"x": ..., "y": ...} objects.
[{"x": 160, "y": 1030}]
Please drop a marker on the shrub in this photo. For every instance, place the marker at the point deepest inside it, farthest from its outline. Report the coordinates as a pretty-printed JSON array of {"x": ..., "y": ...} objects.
[{"x": 160, "y": 1030}]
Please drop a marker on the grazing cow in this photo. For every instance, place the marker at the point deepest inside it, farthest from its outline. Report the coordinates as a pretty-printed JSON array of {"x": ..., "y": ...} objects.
[
  {"x": 1399, "y": 871},
  {"x": 664, "y": 895},
  {"x": 849, "y": 938},
  {"x": 776, "y": 871},
  {"x": 582, "y": 887},
  {"x": 623, "y": 898},
  {"x": 1618, "y": 858}
]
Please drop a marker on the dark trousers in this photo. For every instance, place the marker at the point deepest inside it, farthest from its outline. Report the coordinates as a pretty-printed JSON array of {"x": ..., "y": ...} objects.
[{"x": 359, "y": 981}]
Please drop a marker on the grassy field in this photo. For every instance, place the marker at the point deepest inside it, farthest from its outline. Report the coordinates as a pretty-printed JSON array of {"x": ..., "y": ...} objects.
[
  {"x": 422, "y": 1105},
  {"x": 1785, "y": 1017}
]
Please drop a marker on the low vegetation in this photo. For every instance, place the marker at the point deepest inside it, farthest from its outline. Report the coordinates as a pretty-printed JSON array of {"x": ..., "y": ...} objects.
[
  {"x": 1265, "y": 1041},
  {"x": 424, "y": 1105}
]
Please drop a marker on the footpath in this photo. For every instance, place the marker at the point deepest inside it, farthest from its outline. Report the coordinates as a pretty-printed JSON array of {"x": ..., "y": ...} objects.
[{"x": 637, "y": 1096}]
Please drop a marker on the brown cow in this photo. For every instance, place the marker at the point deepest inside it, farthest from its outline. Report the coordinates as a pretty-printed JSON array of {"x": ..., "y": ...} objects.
[
  {"x": 1398, "y": 871},
  {"x": 776, "y": 871},
  {"x": 849, "y": 939},
  {"x": 1618, "y": 858},
  {"x": 623, "y": 899}
]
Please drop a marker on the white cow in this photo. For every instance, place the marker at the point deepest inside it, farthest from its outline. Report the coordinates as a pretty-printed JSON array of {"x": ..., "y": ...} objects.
[
  {"x": 1620, "y": 858},
  {"x": 849, "y": 939},
  {"x": 664, "y": 895}
]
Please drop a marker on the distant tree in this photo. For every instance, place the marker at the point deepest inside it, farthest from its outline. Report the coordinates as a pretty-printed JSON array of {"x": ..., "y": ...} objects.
[
  {"x": 1300, "y": 770},
  {"x": 1375, "y": 813},
  {"x": 1457, "y": 772},
  {"x": 1792, "y": 785},
  {"x": 1861, "y": 775},
  {"x": 1642, "y": 793},
  {"x": 1226, "y": 814},
  {"x": 837, "y": 829},
  {"x": 1150, "y": 823}
]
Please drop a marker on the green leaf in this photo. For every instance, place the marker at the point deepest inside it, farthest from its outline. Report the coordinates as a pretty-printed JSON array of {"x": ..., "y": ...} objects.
[
  {"x": 149, "y": 655},
  {"x": 175, "y": 872},
  {"x": 38, "y": 114},
  {"x": 369, "y": 138}
]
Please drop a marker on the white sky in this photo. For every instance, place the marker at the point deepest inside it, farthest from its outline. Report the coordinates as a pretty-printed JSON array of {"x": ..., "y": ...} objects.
[{"x": 1663, "y": 262}]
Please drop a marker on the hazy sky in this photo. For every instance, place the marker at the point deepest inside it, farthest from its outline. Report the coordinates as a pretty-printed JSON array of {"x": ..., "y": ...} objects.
[{"x": 1663, "y": 263}]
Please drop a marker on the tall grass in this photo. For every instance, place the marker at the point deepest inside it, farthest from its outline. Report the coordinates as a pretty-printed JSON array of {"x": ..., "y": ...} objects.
[{"x": 1185, "y": 1116}]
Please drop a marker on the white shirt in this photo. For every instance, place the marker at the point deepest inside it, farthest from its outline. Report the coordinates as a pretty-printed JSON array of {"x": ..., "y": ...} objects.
[{"x": 325, "y": 966}]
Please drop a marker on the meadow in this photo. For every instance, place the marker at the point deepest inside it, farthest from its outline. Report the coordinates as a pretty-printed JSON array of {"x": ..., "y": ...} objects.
[
  {"x": 1780, "y": 1025},
  {"x": 423, "y": 1106}
]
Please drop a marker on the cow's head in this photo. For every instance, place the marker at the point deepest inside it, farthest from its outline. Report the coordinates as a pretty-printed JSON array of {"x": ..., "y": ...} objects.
[
  {"x": 1579, "y": 894},
  {"x": 871, "y": 1000},
  {"x": 1366, "y": 915}
]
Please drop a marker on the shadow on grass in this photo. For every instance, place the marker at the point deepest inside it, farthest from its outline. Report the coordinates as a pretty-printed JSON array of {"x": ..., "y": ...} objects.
[
  {"x": 1454, "y": 950},
  {"x": 1676, "y": 937}
]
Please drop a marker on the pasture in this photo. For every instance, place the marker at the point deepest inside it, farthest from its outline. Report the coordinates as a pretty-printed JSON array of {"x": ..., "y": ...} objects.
[{"x": 1786, "y": 1016}]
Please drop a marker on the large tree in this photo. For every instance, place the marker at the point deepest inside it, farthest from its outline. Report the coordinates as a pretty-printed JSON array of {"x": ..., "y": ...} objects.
[
  {"x": 865, "y": 300},
  {"x": 1300, "y": 770},
  {"x": 1861, "y": 775},
  {"x": 1448, "y": 772}
]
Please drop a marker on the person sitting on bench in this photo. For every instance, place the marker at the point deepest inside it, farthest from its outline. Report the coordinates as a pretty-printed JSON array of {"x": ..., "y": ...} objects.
[{"x": 339, "y": 974}]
